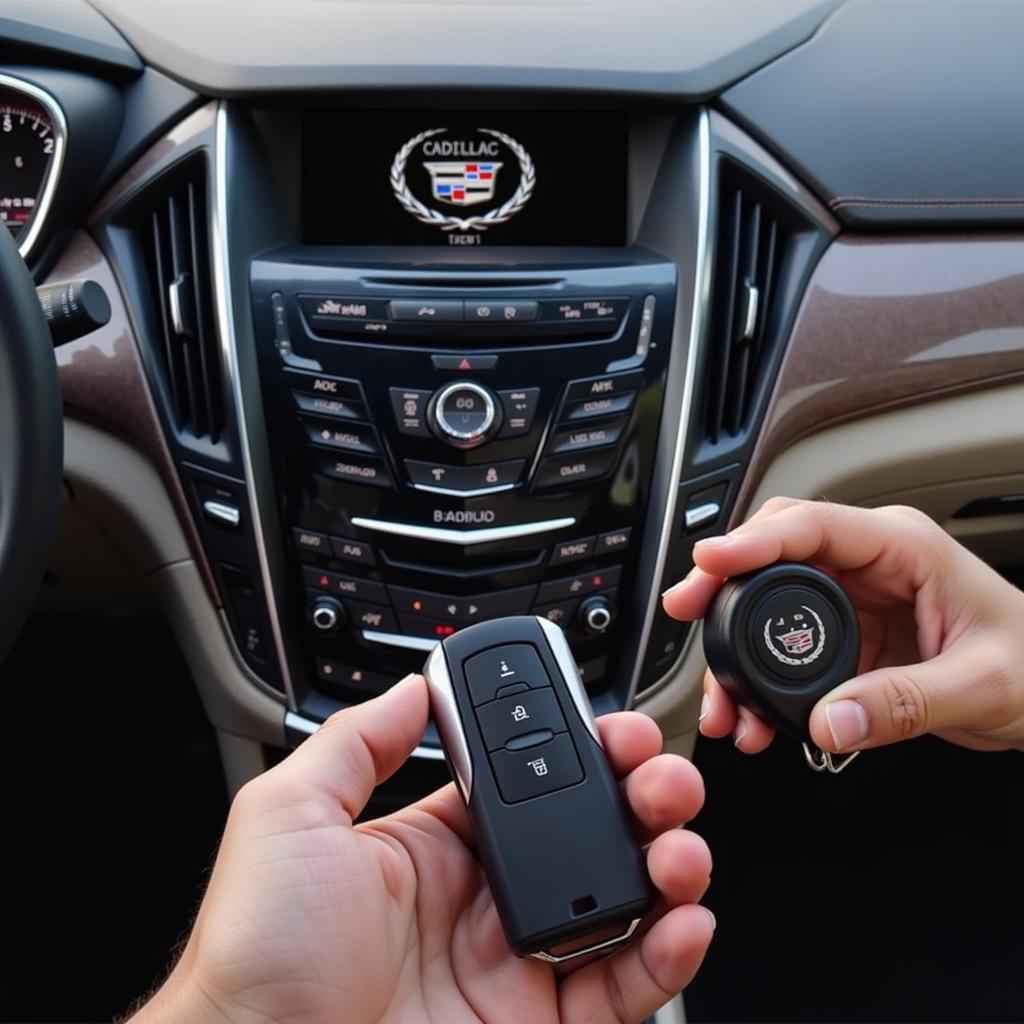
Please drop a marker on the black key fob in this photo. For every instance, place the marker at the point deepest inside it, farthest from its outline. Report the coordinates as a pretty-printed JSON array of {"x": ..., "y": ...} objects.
[
  {"x": 779, "y": 639},
  {"x": 551, "y": 828}
]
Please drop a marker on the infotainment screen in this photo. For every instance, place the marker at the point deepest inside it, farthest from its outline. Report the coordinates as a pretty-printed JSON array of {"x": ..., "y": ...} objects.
[{"x": 381, "y": 178}]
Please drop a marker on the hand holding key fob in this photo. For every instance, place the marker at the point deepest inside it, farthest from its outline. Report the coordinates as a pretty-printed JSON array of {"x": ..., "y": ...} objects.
[
  {"x": 552, "y": 831},
  {"x": 778, "y": 640}
]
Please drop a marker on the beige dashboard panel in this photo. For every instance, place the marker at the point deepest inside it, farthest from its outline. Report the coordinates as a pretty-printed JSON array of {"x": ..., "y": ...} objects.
[{"x": 936, "y": 456}]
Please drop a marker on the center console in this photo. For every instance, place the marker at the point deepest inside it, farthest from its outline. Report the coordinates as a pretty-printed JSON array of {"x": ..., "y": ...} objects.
[{"x": 451, "y": 445}]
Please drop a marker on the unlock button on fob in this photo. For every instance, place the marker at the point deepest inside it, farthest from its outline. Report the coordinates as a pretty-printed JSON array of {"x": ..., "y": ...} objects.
[
  {"x": 534, "y": 771},
  {"x": 533, "y": 711}
]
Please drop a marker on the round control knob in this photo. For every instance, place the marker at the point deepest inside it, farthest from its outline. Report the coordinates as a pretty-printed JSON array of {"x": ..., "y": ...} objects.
[
  {"x": 326, "y": 614},
  {"x": 464, "y": 414},
  {"x": 779, "y": 639},
  {"x": 596, "y": 615}
]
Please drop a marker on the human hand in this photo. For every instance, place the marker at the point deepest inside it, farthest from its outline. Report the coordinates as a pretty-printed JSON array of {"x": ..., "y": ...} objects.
[
  {"x": 942, "y": 634},
  {"x": 309, "y": 917}
]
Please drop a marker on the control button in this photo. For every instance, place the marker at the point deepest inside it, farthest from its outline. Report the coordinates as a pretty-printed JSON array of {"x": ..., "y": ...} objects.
[
  {"x": 572, "y": 550},
  {"x": 604, "y": 309},
  {"x": 592, "y": 671},
  {"x": 326, "y": 614},
  {"x": 519, "y": 407},
  {"x": 702, "y": 515},
  {"x": 426, "y": 310},
  {"x": 352, "y": 437},
  {"x": 516, "y": 601},
  {"x": 331, "y": 387},
  {"x": 603, "y": 387},
  {"x": 579, "y": 438},
  {"x": 220, "y": 513},
  {"x": 570, "y": 469},
  {"x": 434, "y": 629},
  {"x": 247, "y": 614},
  {"x": 371, "y": 616},
  {"x": 312, "y": 542},
  {"x": 321, "y": 405},
  {"x": 561, "y": 613},
  {"x": 410, "y": 409},
  {"x": 425, "y": 604},
  {"x": 795, "y": 634},
  {"x": 596, "y": 614},
  {"x": 355, "y": 469},
  {"x": 347, "y": 586},
  {"x": 590, "y": 408},
  {"x": 497, "y": 311},
  {"x": 356, "y": 551},
  {"x": 577, "y": 586},
  {"x": 465, "y": 479},
  {"x": 518, "y": 715},
  {"x": 464, "y": 364},
  {"x": 489, "y": 672},
  {"x": 564, "y": 310},
  {"x": 522, "y": 774},
  {"x": 464, "y": 413},
  {"x": 613, "y": 540},
  {"x": 333, "y": 313},
  {"x": 355, "y": 678},
  {"x": 643, "y": 337},
  {"x": 280, "y": 315}
]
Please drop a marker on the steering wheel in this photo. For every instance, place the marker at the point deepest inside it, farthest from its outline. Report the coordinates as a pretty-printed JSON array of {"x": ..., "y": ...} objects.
[{"x": 31, "y": 442}]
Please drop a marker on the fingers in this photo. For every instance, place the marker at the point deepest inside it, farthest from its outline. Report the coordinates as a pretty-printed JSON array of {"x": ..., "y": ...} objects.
[
  {"x": 629, "y": 739},
  {"x": 679, "y": 864},
  {"x": 721, "y": 717},
  {"x": 664, "y": 793},
  {"x": 957, "y": 689},
  {"x": 633, "y": 983},
  {"x": 360, "y": 747}
]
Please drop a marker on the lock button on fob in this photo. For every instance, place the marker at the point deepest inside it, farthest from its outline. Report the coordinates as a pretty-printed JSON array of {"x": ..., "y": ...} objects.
[{"x": 516, "y": 717}]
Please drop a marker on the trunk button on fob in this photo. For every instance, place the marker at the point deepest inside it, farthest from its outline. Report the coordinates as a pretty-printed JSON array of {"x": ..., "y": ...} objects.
[
  {"x": 487, "y": 673},
  {"x": 523, "y": 774},
  {"x": 522, "y": 713}
]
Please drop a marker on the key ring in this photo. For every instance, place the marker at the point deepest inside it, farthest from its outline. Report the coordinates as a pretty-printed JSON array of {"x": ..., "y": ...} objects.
[{"x": 822, "y": 760}]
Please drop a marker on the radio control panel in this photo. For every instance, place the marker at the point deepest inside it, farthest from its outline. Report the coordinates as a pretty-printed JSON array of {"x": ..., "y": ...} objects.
[{"x": 451, "y": 445}]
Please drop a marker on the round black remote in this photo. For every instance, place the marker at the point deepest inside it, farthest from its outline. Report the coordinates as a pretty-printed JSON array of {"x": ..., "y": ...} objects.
[{"x": 779, "y": 639}]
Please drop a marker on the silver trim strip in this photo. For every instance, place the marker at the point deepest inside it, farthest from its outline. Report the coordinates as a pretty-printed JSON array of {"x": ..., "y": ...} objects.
[
  {"x": 49, "y": 187},
  {"x": 701, "y": 514},
  {"x": 411, "y": 643},
  {"x": 299, "y": 723},
  {"x": 229, "y": 356},
  {"x": 480, "y": 491},
  {"x": 567, "y": 663},
  {"x": 464, "y": 537},
  {"x": 615, "y": 940},
  {"x": 448, "y": 720},
  {"x": 701, "y": 294}
]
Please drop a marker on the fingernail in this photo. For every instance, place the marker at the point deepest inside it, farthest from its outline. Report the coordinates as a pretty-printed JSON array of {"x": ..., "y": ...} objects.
[
  {"x": 713, "y": 542},
  {"x": 705, "y": 709},
  {"x": 848, "y": 723},
  {"x": 739, "y": 732},
  {"x": 714, "y": 923}
]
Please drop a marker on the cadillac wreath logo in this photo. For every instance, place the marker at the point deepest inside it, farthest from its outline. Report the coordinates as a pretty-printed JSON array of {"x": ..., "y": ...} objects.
[
  {"x": 797, "y": 639},
  {"x": 466, "y": 175}
]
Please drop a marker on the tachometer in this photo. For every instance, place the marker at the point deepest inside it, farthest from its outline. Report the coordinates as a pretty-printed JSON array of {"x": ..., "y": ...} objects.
[{"x": 31, "y": 144}]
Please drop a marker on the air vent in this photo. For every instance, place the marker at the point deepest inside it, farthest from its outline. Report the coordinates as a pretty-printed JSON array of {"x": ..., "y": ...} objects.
[
  {"x": 751, "y": 247},
  {"x": 175, "y": 243}
]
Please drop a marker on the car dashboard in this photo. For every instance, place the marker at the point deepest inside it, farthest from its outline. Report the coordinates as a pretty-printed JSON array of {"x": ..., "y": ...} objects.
[{"x": 425, "y": 314}]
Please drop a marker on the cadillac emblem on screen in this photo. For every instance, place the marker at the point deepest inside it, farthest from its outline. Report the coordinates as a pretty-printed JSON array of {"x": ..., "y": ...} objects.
[
  {"x": 463, "y": 172},
  {"x": 791, "y": 639}
]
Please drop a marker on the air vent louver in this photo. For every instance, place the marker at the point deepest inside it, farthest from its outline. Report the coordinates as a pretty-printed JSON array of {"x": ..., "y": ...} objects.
[
  {"x": 175, "y": 243},
  {"x": 751, "y": 244}
]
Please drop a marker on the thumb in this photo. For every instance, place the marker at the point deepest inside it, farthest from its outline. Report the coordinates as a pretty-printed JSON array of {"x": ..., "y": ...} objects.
[
  {"x": 360, "y": 747},
  {"x": 899, "y": 703}
]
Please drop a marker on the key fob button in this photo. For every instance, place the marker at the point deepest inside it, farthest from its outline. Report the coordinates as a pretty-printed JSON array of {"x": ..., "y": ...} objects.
[
  {"x": 522, "y": 774},
  {"x": 505, "y": 719},
  {"x": 489, "y": 672},
  {"x": 795, "y": 635}
]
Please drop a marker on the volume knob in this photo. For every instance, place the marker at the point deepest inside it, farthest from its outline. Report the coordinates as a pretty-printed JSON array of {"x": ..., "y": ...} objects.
[
  {"x": 464, "y": 414},
  {"x": 596, "y": 615},
  {"x": 327, "y": 614}
]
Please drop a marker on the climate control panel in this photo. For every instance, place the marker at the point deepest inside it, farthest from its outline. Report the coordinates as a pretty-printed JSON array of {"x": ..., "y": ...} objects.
[{"x": 451, "y": 445}]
